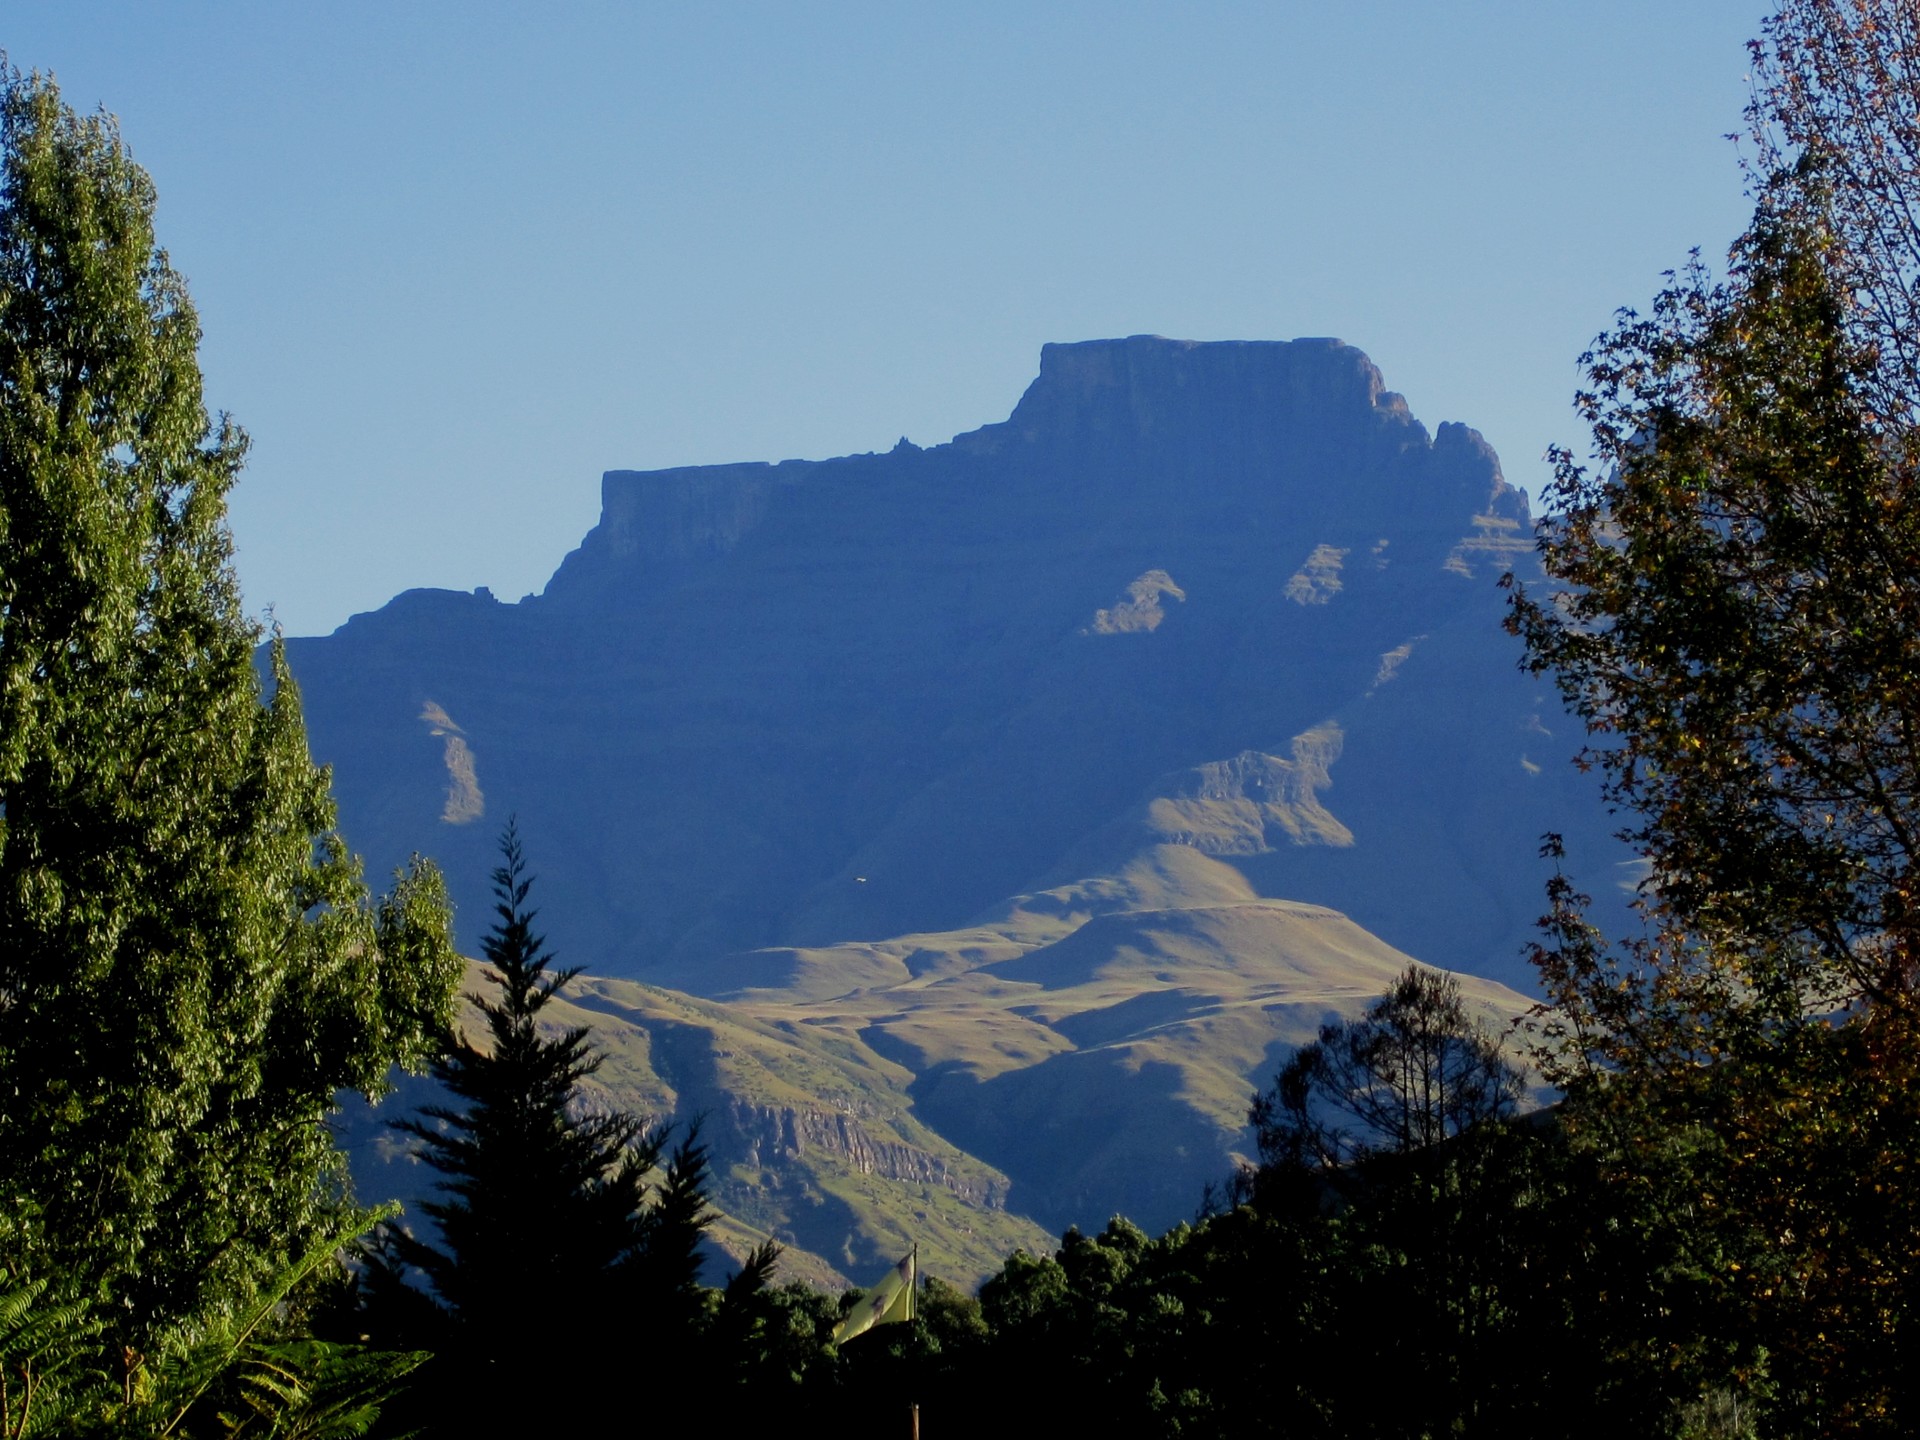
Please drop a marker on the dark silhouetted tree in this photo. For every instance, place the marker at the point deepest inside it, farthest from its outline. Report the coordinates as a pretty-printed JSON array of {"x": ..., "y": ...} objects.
[
  {"x": 1414, "y": 1071},
  {"x": 554, "y": 1223},
  {"x": 1451, "y": 1232}
]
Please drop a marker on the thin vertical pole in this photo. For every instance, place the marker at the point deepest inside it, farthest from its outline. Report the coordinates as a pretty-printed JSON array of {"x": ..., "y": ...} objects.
[{"x": 913, "y": 1313}]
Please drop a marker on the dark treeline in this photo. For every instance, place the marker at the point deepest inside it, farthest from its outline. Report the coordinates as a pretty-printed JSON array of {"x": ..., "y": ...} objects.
[
  {"x": 1467, "y": 1283},
  {"x": 1411, "y": 1256}
]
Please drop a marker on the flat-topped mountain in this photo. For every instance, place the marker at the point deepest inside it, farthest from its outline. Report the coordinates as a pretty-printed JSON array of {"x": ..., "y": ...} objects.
[
  {"x": 1229, "y": 596},
  {"x": 967, "y": 832}
]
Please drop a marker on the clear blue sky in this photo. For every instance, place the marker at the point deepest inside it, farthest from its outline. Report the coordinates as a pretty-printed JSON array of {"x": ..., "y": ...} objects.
[{"x": 454, "y": 260}]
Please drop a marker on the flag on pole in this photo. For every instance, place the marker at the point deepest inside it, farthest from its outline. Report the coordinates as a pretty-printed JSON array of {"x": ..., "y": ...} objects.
[{"x": 888, "y": 1303}]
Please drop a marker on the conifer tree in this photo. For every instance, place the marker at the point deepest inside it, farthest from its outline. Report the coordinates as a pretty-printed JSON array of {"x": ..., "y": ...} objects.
[
  {"x": 551, "y": 1224},
  {"x": 189, "y": 966}
]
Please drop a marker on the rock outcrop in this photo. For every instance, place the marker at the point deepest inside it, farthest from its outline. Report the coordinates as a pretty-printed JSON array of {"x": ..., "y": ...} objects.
[{"x": 780, "y": 1135}]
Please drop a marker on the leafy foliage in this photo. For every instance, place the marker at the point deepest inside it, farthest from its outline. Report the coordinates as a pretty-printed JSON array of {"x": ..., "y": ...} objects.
[
  {"x": 1837, "y": 86},
  {"x": 230, "y": 1377},
  {"x": 1735, "y": 622},
  {"x": 48, "y": 1351},
  {"x": 189, "y": 967}
]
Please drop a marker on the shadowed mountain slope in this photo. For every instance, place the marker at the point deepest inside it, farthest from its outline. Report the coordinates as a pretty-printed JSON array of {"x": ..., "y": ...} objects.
[{"x": 1231, "y": 596}]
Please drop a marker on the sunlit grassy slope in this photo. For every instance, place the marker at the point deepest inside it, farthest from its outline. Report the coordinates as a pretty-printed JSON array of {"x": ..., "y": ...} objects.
[
  {"x": 815, "y": 1138},
  {"x": 1087, "y": 1050},
  {"x": 1097, "y": 1042}
]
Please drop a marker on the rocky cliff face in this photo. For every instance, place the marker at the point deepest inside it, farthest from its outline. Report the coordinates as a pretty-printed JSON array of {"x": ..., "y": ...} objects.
[
  {"x": 1226, "y": 595},
  {"x": 776, "y": 1137}
]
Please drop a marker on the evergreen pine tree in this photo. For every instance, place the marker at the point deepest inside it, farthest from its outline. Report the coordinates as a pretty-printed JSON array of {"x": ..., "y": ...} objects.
[{"x": 551, "y": 1225}]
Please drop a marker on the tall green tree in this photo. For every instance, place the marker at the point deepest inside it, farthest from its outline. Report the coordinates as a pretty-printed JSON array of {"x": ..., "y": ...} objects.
[
  {"x": 189, "y": 964},
  {"x": 1735, "y": 616},
  {"x": 1736, "y": 604},
  {"x": 555, "y": 1221},
  {"x": 1738, "y": 628}
]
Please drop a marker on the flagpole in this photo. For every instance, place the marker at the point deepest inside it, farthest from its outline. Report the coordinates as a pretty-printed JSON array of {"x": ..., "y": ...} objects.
[{"x": 913, "y": 1313}]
